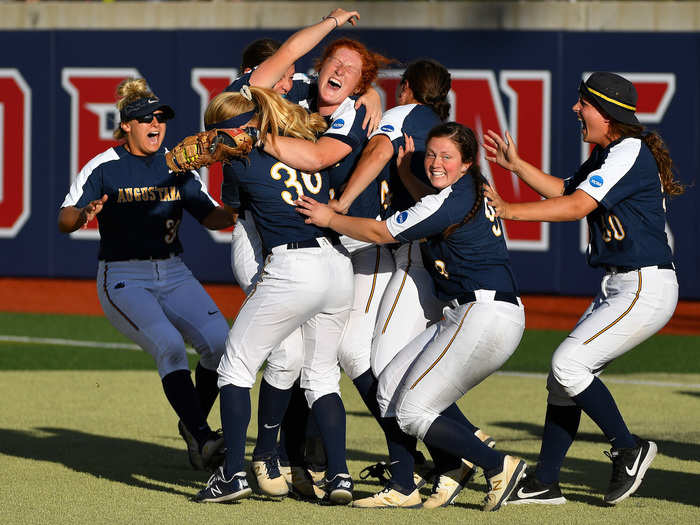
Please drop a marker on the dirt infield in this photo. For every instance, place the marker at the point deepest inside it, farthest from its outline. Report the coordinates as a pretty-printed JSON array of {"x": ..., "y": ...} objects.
[{"x": 70, "y": 296}]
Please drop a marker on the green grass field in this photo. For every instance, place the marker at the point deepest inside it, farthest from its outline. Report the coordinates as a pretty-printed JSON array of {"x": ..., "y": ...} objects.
[{"x": 86, "y": 436}]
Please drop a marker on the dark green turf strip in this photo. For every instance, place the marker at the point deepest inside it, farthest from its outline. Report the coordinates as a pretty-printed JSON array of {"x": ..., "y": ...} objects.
[{"x": 662, "y": 353}]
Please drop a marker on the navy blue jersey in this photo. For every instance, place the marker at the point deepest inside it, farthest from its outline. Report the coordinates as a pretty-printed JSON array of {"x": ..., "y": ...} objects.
[
  {"x": 143, "y": 211},
  {"x": 628, "y": 227},
  {"x": 298, "y": 80},
  {"x": 415, "y": 120},
  {"x": 270, "y": 188},
  {"x": 472, "y": 257},
  {"x": 345, "y": 125}
]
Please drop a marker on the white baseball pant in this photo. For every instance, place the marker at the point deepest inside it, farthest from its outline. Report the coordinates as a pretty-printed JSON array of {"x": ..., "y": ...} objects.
[
  {"x": 448, "y": 359},
  {"x": 408, "y": 306},
  {"x": 307, "y": 287},
  {"x": 372, "y": 268},
  {"x": 285, "y": 362},
  {"x": 630, "y": 308}
]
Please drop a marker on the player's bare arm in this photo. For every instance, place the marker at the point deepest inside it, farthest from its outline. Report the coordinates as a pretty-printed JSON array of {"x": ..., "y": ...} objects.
[
  {"x": 360, "y": 228},
  {"x": 504, "y": 152},
  {"x": 71, "y": 218},
  {"x": 557, "y": 209},
  {"x": 373, "y": 106},
  {"x": 374, "y": 157},
  {"x": 220, "y": 217},
  {"x": 297, "y": 45},
  {"x": 305, "y": 155},
  {"x": 415, "y": 187}
]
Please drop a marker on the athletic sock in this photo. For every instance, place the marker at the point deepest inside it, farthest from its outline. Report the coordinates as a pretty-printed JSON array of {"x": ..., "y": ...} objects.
[
  {"x": 181, "y": 394},
  {"x": 444, "y": 462},
  {"x": 293, "y": 427},
  {"x": 329, "y": 413},
  {"x": 235, "y": 416},
  {"x": 205, "y": 381},
  {"x": 455, "y": 414},
  {"x": 597, "y": 402},
  {"x": 272, "y": 404},
  {"x": 366, "y": 385},
  {"x": 314, "y": 450},
  {"x": 560, "y": 427},
  {"x": 401, "y": 454},
  {"x": 402, "y": 447},
  {"x": 451, "y": 437}
]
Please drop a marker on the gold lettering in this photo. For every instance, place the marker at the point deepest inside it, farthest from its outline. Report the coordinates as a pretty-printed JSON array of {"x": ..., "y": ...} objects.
[
  {"x": 121, "y": 197},
  {"x": 151, "y": 193},
  {"x": 137, "y": 194},
  {"x": 177, "y": 194},
  {"x": 129, "y": 192},
  {"x": 161, "y": 193}
]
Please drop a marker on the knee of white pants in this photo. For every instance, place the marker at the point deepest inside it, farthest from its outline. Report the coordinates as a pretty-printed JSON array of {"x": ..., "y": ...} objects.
[
  {"x": 385, "y": 391},
  {"x": 283, "y": 379},
  {"x": 573, "y": 376},
  {"x": 233, "y": 369},
  {"x": 556, "y": 395},
  {"x": 414, "y": 419},
  {"x": 354, "y": 362},
  {"x": 314, "y": 395}
]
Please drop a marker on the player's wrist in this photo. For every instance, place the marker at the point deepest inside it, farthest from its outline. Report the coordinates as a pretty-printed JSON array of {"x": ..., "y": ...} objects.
[{"x": 331, "y": 17}]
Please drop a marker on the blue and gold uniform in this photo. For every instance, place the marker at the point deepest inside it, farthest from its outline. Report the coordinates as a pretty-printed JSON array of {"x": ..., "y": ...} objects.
[
  {"x": 628, "y": 227},
  {"x": 270, "y": 188},
  {"x": 414, "y": 120},
  {"x": 142, "y": 215}
]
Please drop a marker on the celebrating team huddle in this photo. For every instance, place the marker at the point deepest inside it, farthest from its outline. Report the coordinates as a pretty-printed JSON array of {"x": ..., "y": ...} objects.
[{"x": 371, "y": 243}]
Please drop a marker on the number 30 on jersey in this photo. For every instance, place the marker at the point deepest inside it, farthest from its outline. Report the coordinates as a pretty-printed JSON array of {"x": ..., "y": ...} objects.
[{"x": 312, "y": 181}]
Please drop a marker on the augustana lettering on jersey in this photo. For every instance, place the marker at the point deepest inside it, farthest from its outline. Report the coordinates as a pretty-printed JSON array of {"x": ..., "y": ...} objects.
[{"x": 149, "y": 193}]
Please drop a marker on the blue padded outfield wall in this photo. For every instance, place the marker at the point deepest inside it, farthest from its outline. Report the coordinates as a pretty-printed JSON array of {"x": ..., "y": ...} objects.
[{"x": 57, "y": 112}]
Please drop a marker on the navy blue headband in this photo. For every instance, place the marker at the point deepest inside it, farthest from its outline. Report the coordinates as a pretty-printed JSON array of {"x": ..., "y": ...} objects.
[
  {"x": 144, "y": 106},
  {"x": 233, "y": 122}
]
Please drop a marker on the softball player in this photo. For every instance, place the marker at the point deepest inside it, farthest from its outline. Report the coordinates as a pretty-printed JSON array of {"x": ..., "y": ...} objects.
[
  {"x": 621, "y": 190},
  {"x": 145, "y": 289},
  {"x": 483, "y": 317},
  {"x": 306, "y": 281},
  {"x": 409, "y": 303}
]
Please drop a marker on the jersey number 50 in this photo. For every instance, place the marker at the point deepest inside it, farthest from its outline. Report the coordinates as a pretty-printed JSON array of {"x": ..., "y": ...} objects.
[{"x": 312, "y": 186}]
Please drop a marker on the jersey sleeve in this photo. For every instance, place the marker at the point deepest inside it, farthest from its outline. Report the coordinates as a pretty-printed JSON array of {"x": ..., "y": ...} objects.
[
  {"x": 243, "y": 80},
  {"x": 391, "y": 125},
  {"x": 346, "y": 125},
  {"x": 88, "y": 186},
  {"x": 230, "y": 192},
  {"x": 608, "y": 184},
  {"x": 429, "y": 216},
  {"x": 196, "y": 198},
  {"x": 301, "y": 89}
]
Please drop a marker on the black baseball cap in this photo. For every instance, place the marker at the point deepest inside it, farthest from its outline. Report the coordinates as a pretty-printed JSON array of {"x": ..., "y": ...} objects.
[
  {"x": 614, "y": 95},
  {"x": 144, "y": 106}
]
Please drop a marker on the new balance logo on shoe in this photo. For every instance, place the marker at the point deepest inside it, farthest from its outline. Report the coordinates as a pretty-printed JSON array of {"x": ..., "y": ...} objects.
[
  {"x": 344, "y": 485},
  {"x": 216, "y": 491}
]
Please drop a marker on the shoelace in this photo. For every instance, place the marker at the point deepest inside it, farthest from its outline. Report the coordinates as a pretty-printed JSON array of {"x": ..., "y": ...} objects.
[
  {"x": 618, "y": 464},
  {"x": 380, "y": 470},
  {"x": 273, "y": 469}
]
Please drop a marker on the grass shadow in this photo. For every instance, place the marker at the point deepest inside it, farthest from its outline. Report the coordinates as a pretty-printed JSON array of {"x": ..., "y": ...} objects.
[{"x": 123, "y": 460}]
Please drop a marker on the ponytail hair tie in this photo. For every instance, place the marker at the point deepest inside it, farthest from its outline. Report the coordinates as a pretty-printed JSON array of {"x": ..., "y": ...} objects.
[{"x": 245, "y": 92}]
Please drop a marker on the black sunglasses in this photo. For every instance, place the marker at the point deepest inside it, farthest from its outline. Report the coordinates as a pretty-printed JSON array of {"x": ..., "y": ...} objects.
[{"x": 147, "y": 119}]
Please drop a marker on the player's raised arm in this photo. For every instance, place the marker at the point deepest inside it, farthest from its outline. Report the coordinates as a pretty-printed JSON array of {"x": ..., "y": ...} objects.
[
  {"x": 375, "y": 156},
  {"x": 297, "y": 45}
]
